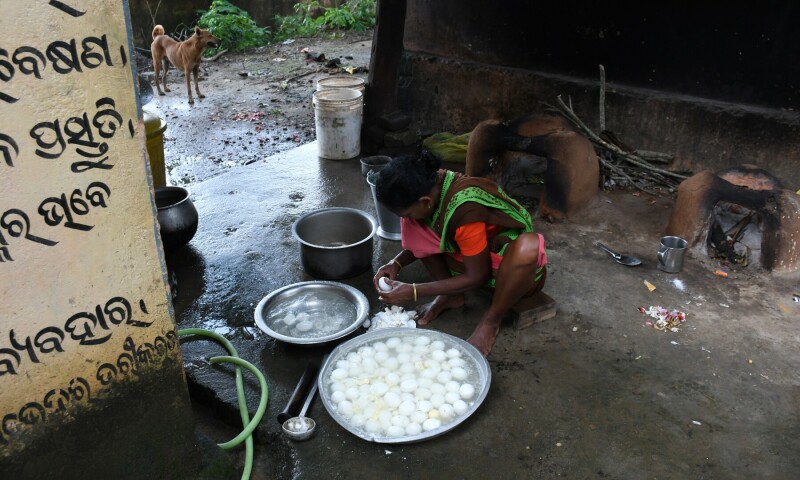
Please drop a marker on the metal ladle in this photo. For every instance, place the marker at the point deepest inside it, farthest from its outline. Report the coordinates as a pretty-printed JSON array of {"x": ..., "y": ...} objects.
[
  {"x": 301, "y": 427},
  {"x": 623, "y": 259}
]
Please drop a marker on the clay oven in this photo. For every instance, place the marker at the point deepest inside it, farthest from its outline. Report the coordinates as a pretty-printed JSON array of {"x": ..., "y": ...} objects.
[{"x": 742, "y": 215}]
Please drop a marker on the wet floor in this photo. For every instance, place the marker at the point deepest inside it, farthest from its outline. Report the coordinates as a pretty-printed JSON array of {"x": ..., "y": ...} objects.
[{"x": 595, "y": 392}]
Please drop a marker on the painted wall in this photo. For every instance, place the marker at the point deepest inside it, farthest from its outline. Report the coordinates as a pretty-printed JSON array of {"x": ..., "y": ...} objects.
[
  {"x": 84, "y": 309},
  {"x": 714, "y": 83}
]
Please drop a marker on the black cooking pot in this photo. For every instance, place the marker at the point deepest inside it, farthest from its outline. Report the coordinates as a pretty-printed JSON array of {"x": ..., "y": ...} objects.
[{"x": 177, "y": 216}]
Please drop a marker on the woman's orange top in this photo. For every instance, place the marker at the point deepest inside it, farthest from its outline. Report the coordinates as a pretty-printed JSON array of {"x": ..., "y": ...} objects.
[{"x": 472, "y": 238}]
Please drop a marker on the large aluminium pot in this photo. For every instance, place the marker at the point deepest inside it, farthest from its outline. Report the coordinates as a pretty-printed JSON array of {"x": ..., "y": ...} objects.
[
  {"x": 335, "y": 243},
  {"x": 177, "y": 216}
]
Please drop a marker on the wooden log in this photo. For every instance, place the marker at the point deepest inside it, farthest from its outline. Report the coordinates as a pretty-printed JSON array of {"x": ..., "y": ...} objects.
[{"x": 532, "y": 310}]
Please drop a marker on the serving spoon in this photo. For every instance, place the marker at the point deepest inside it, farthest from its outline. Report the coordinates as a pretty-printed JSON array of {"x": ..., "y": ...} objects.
[
  {"x": 623, "y": 259},
  {"x": 301, "y": 427}
]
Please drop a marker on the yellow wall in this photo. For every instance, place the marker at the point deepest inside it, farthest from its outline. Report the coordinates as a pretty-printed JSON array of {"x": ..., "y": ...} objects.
[{"x": 83, "y": 299}]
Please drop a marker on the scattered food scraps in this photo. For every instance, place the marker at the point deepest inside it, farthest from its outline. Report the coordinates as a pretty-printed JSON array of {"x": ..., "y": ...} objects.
[
  {"x": 721, "y": 273},
  {"x": 724, "y": 305},
  {"x": 696, "y": 422},
  {"x": 649, "y": 285},
  {"x": 665, "y": 320},
  {"x": 249, "y": 116}
]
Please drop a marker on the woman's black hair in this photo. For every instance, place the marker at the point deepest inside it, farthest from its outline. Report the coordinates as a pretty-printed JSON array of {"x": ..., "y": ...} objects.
[{"x": 407, "y": 178}]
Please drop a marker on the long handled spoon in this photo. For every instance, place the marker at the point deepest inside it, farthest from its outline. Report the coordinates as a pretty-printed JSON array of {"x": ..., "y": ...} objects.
[{"x": 623, "y": 259}]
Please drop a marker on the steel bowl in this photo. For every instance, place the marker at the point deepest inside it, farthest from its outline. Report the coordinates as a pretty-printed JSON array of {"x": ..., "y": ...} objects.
[
  {"x": 335, "y": 243},
  {"x": 475, "y": 361},
  {"x": 313, "y": 296},
  {"x": 375, "y": 163},
  {"x": 177, "y": 216}
]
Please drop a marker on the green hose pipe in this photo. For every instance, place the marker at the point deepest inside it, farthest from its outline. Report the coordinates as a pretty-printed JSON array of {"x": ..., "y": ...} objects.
[
  {"x": 262, "y": 404},
  {"x": 243, "y": 413}
]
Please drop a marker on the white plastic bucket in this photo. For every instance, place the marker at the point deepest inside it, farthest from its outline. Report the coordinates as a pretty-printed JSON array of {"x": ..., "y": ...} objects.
[
  {"x": 337, "y": 119},
  {"x": 341, "y": 81}
]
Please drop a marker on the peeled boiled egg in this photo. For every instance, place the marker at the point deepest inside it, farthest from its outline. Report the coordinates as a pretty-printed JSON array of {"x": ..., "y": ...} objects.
[
  {"x": 466, "y": 391},
  {"x": 408, "y": 385},
  {"x": 452, "y": 397},
  {"x": 345, "y": 408},
  {"x": 338, "y": 396},
  {"x": 379, "y": 389},
  {"x": 460, "y": 407},
  {"x": 304, "y": 326},
  {"x": 406, "y": 408},
  {"x": 392, "y": 399},
  {"x": 453, "y": 353},
  {"x": 413, "y": 429},
  {"x": 446, "y": 411},
  {"x": 431, "y": 424},
  {"x": 419, "y": 416},
  {"x": 383, "y": 284}
]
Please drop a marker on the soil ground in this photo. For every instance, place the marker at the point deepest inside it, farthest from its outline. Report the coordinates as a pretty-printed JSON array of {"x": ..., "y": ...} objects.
[{"x": 258, "y": 103}]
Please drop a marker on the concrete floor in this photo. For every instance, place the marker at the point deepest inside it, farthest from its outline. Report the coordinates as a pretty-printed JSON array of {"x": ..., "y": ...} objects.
[{"x": 591, "y": 393}]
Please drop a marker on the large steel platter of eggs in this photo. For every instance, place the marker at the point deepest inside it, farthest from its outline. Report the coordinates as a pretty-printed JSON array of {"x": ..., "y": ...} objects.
[
  {"x": 403, "y": 385},
  {"x": 312, "y": 313}
]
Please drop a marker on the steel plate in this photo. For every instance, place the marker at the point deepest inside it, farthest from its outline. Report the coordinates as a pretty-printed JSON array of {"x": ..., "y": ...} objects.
[
  {"x": 473, "y": 357},
  {"x": 290, "y": 292}
]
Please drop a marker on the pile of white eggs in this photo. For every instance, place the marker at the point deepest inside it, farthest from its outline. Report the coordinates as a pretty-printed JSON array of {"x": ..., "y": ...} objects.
[{"x": 403, "y": 385}]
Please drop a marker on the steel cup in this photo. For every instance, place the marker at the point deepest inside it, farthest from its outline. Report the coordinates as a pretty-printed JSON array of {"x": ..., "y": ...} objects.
[{"x": 670, "y": 254}]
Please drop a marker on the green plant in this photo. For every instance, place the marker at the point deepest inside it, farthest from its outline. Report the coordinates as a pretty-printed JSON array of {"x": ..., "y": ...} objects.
[
  {"x": 233, "y": 26},
  {"x": 301, "y": 24},
  {"x": 353, "y": 15},
  {"x": 311, "y": 18}
]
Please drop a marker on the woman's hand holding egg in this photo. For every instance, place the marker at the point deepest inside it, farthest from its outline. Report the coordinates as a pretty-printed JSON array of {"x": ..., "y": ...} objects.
[
  {"x": 388, "y": 272},
  {"x": 385, "y": 286}
]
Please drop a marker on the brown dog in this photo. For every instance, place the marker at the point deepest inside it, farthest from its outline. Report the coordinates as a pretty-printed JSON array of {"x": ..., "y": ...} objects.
[{"x": 184, "y": 56}]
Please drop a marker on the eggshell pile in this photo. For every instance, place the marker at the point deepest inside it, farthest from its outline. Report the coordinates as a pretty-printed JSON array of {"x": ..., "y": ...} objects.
[
  {"x": 402, "y": 385},
  {"x": 391, "y": 317}
]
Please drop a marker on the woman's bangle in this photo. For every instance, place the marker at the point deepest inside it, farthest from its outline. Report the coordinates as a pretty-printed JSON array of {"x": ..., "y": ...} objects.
[
  {"x": 399, "y": 265},
  {"x": 415, "y": 291}
]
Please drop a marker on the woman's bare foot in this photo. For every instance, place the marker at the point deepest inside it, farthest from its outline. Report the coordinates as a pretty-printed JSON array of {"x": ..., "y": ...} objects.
[
  {"x": 428, "y": 312},
  {"x": 484, "y": 336}
]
